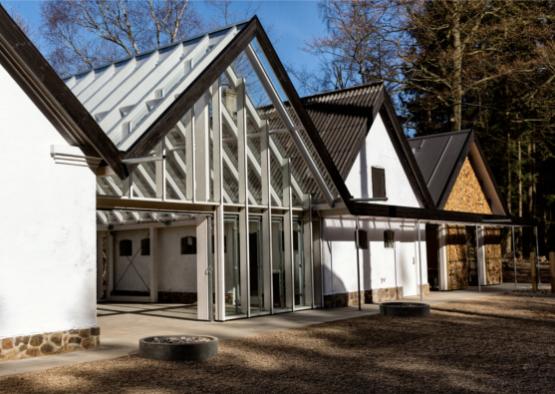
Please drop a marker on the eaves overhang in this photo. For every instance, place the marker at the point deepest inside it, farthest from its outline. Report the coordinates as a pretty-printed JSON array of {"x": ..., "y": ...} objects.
[{"x": 26, "y": 65}]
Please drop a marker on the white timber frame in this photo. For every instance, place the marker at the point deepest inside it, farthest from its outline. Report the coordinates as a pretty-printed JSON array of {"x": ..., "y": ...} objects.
[{"x": 206, "y": 164}]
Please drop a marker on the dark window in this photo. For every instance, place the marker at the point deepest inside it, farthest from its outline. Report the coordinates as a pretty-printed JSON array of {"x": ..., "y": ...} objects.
[
  {"x": 378, "y": 182},
  {"x": 125, "y": 247},
  {"x": 145, "y": 247},
  {"x": 295, "y": 240},
  {"x": 362, "y": 237},
  {"x": 388, "y": 238},
  {"x": 189, "y": 245}
]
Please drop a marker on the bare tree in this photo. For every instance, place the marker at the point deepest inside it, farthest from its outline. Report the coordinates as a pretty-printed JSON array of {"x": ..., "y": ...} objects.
[
  {"x": 361, "y": 44},
  {"x": 86, "y": 33}
]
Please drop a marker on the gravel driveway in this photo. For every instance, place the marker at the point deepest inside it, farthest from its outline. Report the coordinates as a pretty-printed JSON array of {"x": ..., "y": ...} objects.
[{"x": 466, "y": 347}]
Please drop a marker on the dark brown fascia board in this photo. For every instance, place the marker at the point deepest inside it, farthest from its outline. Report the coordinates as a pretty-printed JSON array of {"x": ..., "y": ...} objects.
[
  {"x": 392, "y": 211},
  {"x": 404, "y": 152},
  {"x": 207, "y": 77},
  {"x": 455, "y": 171},
  {"x": 41, "y": 83},
  {"x": 490, "y": 174},
  {"x": 189, "y": 97},
  {"x": 304, "y": 117}
]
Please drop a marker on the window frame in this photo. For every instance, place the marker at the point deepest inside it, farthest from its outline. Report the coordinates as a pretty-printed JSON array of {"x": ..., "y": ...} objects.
[{"x": 374, "y": 171}]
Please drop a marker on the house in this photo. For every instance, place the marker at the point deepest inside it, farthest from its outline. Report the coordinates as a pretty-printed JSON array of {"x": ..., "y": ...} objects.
[
  {"x": 361, "y": 131},
  {"x": 459, "y": 179},
  {"x": 194, "y": 173}
]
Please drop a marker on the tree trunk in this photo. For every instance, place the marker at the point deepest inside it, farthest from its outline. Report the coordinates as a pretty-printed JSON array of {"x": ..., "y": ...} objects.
[
  {"x": 457, "y": 69},
  {"x": 508, "y": 239},
  {"x": 519, "y": 169}
]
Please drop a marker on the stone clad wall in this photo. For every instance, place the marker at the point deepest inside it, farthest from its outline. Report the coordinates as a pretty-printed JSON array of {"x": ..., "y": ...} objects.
[
  {"x": 375, "y": 296},
  {"x": 494, "y": 265},
  {"x": 457, "y": 267},
  {"x": 19, "y": 347},
  {"x": 467, "y": 194}
]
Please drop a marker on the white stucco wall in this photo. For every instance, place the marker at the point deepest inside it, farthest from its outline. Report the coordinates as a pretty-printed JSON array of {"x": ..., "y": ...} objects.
[
  {"x": 176, "y": 272},
  {"x": 378, "y": 151},
  {"x": 47, "y": 225},
  {"x": 381, "y": 267}
]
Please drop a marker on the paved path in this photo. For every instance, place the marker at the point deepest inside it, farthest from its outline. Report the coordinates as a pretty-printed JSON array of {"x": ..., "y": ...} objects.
[
  {"x": 123, "y": 324},
  {"x": 120, "y": 332}
]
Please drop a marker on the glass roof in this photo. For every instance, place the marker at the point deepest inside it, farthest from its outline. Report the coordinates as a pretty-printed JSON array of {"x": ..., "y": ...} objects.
[{"x": 126, "y": 97}]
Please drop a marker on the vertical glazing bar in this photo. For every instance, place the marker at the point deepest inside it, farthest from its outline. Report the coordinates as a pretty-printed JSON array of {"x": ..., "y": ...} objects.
[
  {"x": 267, "y": 218},
  {"x": 358, "y": 263},
  {"x": 190, "y": 154},
  {"x": 210, "y": 275},
  {"x": 420, "y": 281},
  {"x": 159, "y": 178},
  {"x": 219, "y": 236},
  {"x": 111, "y": 271},
  {"x": 201, "y": 148},
  {"x": 202, "y": 262},
  {"x": 311, "y": 250},
  {"x": 129, "y": 184},
  {"x": 154, "y": 253},
  {"x": 243, "y": 197},
  {"x": 288, "y": 237}
]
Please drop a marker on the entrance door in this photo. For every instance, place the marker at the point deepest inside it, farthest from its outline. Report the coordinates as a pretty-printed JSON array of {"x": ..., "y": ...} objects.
[
  {"x": 432, "y": 250},
  {"x": 256, "y": 269},
  {"x": 471, "y": 256},
  {"x": 278, "y": 265},
  {"x": 233, "y": 306},
  {"x": 132, "y": 263},
  {"x": 300, "y": 267}
]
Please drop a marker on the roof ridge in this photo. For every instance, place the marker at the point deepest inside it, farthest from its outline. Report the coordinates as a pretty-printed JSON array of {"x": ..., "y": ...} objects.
[
  {"x": 351, "y": 88},
  {"x": 445, "y": 134},
  {"x": 152, "y": 50}
]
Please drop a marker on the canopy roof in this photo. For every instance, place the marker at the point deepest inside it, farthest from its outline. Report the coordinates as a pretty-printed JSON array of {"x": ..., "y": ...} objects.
[{"x": 128, "y": 96}]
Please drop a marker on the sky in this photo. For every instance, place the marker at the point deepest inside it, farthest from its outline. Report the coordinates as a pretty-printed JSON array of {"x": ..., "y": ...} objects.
[{"x": 290, "y": 25}]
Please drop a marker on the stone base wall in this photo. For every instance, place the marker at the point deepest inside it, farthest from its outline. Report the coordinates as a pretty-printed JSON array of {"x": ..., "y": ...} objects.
[
  {"x": 341, "y": 300},
  {"x": 375, "y": 296},
  {"x": 12, "y": 348},
  {"x": 177, "y": 297}
]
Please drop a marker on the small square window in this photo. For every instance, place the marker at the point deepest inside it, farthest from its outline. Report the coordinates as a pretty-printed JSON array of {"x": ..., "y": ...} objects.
[
  {"x": 145, "y": 247},
  {"x": 189, "y": 245},
  {"x": 378, "y": 183},
  {"x": 388, "y": 239},
  {"x": 125, "y": 247},
  {"x": 362, "y": 238}
]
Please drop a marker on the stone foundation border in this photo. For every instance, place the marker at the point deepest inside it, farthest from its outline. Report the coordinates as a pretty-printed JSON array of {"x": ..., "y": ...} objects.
[
  {"x": 374, "y": 296},
  {"x": 25, "y": 346}
]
